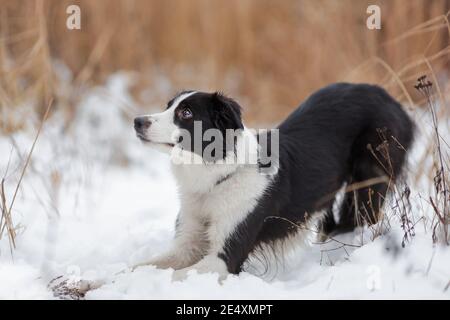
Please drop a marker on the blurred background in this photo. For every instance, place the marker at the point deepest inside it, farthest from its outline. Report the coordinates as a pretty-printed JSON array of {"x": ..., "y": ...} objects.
[
  {"x": 90, "y": 196},
  {"x": 269, "y": 55}
]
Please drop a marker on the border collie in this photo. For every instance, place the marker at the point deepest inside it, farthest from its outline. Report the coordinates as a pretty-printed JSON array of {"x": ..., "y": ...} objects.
[{"x": 353, "y": 135}]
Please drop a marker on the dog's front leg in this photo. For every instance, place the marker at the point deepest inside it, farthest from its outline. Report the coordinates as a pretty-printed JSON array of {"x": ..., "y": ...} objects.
[
  {"x": 188, "y": 247},
  {"x": 228, "y": 247}
]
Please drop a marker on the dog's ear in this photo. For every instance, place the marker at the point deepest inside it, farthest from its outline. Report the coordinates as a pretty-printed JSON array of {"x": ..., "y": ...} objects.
[{"x": 226, "y": 113}]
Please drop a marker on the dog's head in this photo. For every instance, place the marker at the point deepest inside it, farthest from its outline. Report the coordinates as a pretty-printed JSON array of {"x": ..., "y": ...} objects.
[{"x": 192, "y": 120}]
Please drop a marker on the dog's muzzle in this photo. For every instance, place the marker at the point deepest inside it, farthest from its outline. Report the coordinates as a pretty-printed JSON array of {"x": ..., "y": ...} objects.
[{"x": 141, "y": 124}]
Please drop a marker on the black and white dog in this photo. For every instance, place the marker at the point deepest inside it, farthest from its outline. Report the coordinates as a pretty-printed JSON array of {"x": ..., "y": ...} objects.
[{"x": 344, "y": 134}]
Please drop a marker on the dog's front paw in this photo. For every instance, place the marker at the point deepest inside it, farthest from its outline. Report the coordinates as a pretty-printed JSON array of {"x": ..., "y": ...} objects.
[
  {"x": 162, "y": 262},
  {"x": 206, "y": 265},
  {"x": 170, "y": 260},
  {"x": 180, "y": 275}
]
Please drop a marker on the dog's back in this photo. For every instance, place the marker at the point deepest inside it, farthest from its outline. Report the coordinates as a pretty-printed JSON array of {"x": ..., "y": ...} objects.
[{"x": 344, "y": 133}]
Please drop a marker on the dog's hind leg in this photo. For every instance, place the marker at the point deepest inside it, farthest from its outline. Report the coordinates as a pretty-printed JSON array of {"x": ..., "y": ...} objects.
[
  {"x": 363, "y": 202},
  {"x": 377, "y": 161},
  {"x": 327, "y": 225}
]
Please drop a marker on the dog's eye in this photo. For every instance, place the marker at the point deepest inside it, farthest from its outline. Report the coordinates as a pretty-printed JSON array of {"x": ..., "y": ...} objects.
[{"x": 186, "y": 113}]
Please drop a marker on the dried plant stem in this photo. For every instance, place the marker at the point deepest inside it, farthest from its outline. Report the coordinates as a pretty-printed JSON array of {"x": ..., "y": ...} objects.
[
  {"x": 424, "y": 86},
  {"x": 6, "y": 212}
]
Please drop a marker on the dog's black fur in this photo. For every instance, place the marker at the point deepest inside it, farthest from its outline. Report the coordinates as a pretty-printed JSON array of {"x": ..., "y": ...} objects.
[{"x": 343, "y": 133}]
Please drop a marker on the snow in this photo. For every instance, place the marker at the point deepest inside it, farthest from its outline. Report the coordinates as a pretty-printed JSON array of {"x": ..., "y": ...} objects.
[{"x": 95, "y": 201}]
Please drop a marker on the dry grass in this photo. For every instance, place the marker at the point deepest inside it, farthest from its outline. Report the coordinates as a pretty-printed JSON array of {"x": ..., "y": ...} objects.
[
  {"x": 440, "y": 200},
  {"x": 6, "y": 221},
  {"x": 272, "y": 55}
]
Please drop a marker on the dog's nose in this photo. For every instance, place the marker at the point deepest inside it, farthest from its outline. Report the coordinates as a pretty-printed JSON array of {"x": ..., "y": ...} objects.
[{"x": 142, "y": 123}]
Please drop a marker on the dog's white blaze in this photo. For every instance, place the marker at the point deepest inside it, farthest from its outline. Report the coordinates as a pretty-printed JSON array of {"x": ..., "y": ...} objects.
[{"x": 163, "y": 128}]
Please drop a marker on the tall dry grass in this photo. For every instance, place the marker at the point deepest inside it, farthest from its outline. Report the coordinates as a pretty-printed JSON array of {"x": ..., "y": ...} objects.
[{"x": 271, "y": 54}]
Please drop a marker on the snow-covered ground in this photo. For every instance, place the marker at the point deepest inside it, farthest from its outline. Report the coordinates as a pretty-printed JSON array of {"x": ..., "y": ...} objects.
[{"x": 95, "y": 201}]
